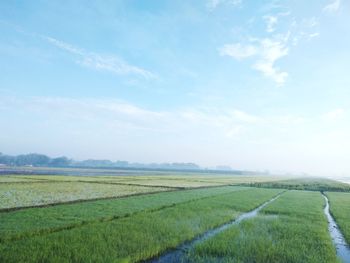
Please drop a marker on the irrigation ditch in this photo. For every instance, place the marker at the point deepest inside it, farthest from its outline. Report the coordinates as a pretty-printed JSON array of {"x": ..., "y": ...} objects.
[
  {"x": 343, "y": 249},
  {"x": 179, "y": 253}
]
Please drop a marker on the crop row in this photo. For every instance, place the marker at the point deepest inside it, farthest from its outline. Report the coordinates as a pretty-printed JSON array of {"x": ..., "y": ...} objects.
[
  {"x": 311, "y": 184},
  {"x": 291, "y": 229},
  {"x": 17, "y": 224},
  {"x": 135, "y": 238},
  {"x": 35, "y": 194},
  {"x": 186, "y": 180}
]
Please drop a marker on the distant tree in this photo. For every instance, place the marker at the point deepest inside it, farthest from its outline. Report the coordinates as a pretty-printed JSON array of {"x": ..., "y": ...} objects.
[
  {"x": 7, "y": 159},
  {"x": 32, "y": 159},
  {"x": 36, "y": 159},
  {"x": 60, "y": 161},
  {"x": 121, "y": 164},
  {"x": 95, "y": 163}
]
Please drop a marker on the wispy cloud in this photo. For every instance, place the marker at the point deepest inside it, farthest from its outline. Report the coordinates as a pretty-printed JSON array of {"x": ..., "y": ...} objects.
[
  {"x": 267, "y": 52},
  {"x": 131, "y": 118},
  {"x": 271, "y": 22},
  {"x": 96, "y": 61},
  {"x": 238, "y": 51},
  {"x": 271, "y": 51},
  {"x": 212, "y": 4},
  {"x": 335, "y": 114},
  {"x": 332, "y": 7},
  {"x": 110, "y": 63},
  {"x": 306, "y": 29},
  {"x": 245, "y": 117},
  {"x": 313, "y": 35}
]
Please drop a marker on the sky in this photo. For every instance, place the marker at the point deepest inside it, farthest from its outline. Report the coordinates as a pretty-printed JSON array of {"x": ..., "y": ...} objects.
[{"x": 256, "y": 85}]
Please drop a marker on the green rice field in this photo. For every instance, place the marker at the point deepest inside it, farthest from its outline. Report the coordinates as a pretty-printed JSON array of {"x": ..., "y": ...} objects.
[
  {"x": 291, "y": 229},
  {"x": 136, "y": 218}
]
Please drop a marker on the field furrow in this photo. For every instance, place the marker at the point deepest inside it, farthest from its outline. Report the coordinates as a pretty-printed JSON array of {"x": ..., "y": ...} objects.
[
  {"x": 139, "y": 237},
  {"x": 291, "y": 229},
  {"x": 36, "y": 194},
  {"x": 28, "y": 222}
]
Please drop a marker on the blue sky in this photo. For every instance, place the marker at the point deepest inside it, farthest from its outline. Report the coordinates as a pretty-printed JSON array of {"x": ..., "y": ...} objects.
[{"x": 251, "y": 84}]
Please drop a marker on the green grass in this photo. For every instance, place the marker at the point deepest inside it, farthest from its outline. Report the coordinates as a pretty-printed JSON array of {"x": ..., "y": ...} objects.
[
  {"x": 41, "y": 193},
  {"x": 137, "y": 237},
  {"x": 340, "y": 209},
  {"x": 32, "y": 221},
  {"x": 311, "y": 184},
  {"x": 291, "y": 229}
]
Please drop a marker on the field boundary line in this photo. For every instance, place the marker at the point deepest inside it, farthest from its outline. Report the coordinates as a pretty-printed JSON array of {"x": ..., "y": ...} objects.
[
  {"x": 108, "y": 219},
  {"x": 12, "y": 209},
  {"x": 90, "y": 182},
  {"x": 44, "y": 180},
  {"x": 34, "y": 180}
]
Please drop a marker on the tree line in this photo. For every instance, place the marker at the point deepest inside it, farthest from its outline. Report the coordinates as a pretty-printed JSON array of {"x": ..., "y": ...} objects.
[{"x": 35, "y": 159}]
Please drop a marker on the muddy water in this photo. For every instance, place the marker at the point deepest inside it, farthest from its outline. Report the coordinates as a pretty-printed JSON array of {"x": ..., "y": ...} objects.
[
  {"x": 343, "y": 250},
  {"x": 179, "y": 253}
]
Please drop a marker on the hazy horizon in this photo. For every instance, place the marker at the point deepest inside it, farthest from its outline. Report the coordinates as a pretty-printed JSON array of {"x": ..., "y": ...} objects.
[{"x": 252, "y": 85}]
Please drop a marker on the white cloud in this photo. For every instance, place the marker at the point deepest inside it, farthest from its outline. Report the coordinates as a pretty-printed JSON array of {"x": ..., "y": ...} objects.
[
  {"x": 271, "y": 22},
  {"x": 238, "y": 51},
  {"x": 306, "y": 30},
  {"x": 267, "y": 52},
  {"x": 95, "y": 61},
  {"x": 65, "y": 46},
  {"x": 313, "y": 35},
  {"x": 334, "y": 114},
  {"x": 332, "y": 7},
  {"x": 310, "y": 22},
  {"x": 271, "y": 51},
  {"x": 128, "y": 118},
  {"x": 212, "y": 4},
  {"x": 245, "y": 117}
]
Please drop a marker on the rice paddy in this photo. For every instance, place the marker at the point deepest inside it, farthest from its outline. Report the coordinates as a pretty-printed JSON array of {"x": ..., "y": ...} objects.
[
  {"x": 291, "y": 229},
  {"x": 137, "y": 237},
  {"x": 135, "y": 218},
  {"x": 33, "y": 221},
  {"x": 14, "y": 195}
]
